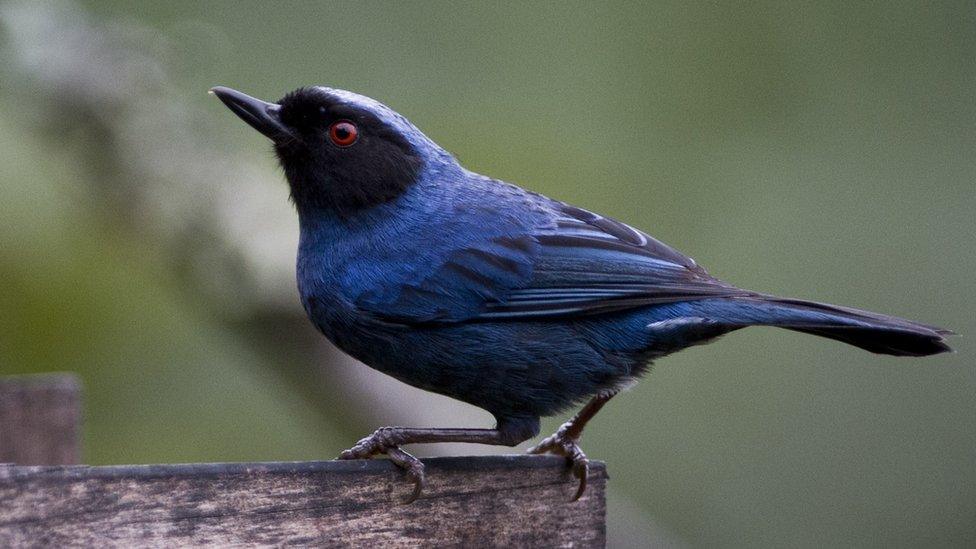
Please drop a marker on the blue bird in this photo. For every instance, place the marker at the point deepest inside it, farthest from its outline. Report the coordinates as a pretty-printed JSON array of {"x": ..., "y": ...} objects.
[{"x": 480, "y": 290}]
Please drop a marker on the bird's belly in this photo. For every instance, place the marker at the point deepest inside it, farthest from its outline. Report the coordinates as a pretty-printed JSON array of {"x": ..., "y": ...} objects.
[{"x": 509, "y": 369}]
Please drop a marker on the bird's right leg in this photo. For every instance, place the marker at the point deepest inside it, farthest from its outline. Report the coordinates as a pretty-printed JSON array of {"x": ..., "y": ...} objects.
[
  {"x": 387, "y": 440},
  {"x": 565, "y": 441}
]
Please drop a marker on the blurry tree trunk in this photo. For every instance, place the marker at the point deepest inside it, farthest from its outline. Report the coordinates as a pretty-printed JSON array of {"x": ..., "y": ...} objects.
[{"x": 40, "y": 419}]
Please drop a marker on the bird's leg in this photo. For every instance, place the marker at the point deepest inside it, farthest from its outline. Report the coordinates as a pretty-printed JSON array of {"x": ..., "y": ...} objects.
[
  {"x": 387, "y": 440},
  {"x": 565, "y": 441}
]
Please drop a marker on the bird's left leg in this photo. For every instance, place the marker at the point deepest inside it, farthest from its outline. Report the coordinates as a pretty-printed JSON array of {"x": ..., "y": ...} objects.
[
  {"x": 387, "y": 440},
  {"x": 565, "y": 441}
]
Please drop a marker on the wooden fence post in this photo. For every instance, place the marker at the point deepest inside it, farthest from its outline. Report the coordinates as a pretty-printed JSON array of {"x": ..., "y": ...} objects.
[
  {"x": 496, "y": 501},
  {"x": 520, "y": 501},
  {"x": 40, "y": 417}
]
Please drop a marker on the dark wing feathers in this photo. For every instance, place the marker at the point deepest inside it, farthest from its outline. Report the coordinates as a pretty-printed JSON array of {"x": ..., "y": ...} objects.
[
  {"x": 582, "y": 264},
  {"x": 579, "y": 223},
  {"x": 590, "y": 264}
]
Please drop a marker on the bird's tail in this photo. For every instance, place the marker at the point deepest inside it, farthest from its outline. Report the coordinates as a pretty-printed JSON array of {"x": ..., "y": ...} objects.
[{"x": 873, "y": 332}]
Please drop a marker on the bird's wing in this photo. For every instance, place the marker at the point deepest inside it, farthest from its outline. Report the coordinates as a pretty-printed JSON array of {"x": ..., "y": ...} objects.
[
  {"x": 580, "y": 264},
  {"x": 589, "y": 264}
]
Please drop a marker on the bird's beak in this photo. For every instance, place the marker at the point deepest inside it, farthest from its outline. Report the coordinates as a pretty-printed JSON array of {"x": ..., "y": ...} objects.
[{"x": 262, "y": 116}]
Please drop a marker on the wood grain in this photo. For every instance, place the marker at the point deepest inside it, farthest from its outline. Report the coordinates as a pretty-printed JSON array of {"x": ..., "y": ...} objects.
[
  {"x": 40, "y": 419},
  {"x": 513, "y": 501}
]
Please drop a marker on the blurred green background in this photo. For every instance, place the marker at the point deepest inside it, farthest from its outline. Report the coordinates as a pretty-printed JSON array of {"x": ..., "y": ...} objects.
[{"x": 819, "y": 150}]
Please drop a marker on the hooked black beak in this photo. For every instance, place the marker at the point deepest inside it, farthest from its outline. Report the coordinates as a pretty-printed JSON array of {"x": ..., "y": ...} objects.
[{"x": 262, "y": 116}]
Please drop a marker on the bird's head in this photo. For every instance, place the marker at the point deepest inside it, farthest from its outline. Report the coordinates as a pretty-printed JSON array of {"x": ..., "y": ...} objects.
[{"x": 340, "y": 151}]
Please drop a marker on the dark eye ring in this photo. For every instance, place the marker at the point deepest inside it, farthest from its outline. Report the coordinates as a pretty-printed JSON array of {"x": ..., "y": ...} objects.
[{"x": 343, "y": 133}]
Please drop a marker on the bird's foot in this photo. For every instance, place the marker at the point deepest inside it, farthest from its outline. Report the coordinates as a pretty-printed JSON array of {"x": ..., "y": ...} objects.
[
  {"x": 387, "y": 440},
  {"x": 563, "y": 444}
]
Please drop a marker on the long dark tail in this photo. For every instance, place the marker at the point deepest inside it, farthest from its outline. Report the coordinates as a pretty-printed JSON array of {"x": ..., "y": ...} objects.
[{"x": 873, "y": 332}]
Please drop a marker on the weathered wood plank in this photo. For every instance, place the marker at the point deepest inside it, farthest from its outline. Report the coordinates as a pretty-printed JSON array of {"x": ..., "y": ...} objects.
[
  {"x": 521, "y": 501},
  {"x": 40, "y": 418}
]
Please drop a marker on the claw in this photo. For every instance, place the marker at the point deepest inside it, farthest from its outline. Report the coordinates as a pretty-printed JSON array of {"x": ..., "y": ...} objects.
[
  {"x": 381, "y": 442},
  {"x": 563, "y": 445},
  {"x": 581, "y": 469},
  {"x": 414, "y": 469}
]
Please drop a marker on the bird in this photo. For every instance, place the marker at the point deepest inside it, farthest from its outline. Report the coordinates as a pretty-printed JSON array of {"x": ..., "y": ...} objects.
[{"x": 480, "y": 290}]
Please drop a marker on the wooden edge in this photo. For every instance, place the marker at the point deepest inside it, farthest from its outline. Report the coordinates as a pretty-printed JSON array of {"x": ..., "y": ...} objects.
[{"x": 357, "y": 467}]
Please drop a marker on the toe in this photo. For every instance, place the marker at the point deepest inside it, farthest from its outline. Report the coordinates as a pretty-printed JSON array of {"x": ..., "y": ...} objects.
[
  {"x": 581, "y": 470},
  {"x": 540, "y": 448},
  {"x": 563, "y": 445},
  {"x": 414, "y": 469},
  {"x": 351, "y": 453},
  {"x": 419, "y": 481},
  {"x": 358, "y": 451}
]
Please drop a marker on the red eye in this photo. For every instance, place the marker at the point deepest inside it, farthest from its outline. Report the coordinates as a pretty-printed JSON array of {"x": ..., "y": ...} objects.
[{"x": 343, "y": 133}]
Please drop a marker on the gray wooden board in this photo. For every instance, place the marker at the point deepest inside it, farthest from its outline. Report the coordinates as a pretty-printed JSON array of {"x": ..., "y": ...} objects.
[
  {"x": 514, "y": 501},
  {"x": 39, "y": 419}
]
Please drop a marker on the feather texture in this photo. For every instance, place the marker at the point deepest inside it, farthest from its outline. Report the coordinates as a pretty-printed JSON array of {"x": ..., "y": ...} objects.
[{"x": 577, "y": 263}]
